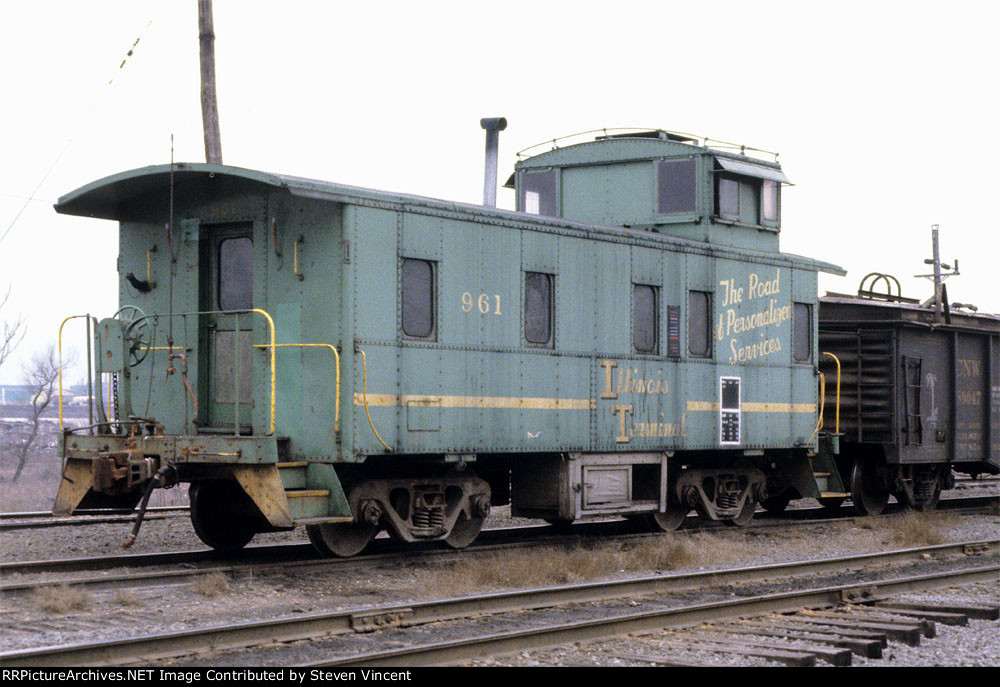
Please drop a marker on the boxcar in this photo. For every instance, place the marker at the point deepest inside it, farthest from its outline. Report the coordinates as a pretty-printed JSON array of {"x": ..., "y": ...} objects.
[{"x": 919, "y": 397}]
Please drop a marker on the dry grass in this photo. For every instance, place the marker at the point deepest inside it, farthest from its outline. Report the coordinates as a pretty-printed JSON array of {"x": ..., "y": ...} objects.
[
  {"x": 62, "y": 599},
  {"x": 126, "y": 597},
  {"x": 913, "y": 528},
  {"x": 553, "y": 565},
  {"x": 210, "y": 584}
]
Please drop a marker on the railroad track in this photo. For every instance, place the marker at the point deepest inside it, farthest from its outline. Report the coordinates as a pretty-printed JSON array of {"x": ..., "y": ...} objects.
[
  {"x": 44, "y": 519},
  {"x": 352, "y": 638},
  {"x": 263, "y": 560}
]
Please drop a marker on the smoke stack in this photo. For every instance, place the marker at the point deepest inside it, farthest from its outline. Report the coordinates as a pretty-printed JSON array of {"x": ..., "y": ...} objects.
[{"x": 493, "y": 128}]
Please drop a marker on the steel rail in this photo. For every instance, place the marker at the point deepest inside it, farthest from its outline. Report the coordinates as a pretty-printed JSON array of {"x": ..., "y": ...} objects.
[
  {"x": 264, "y": 559},
  {"x": 76, "y": 522},
  {"x": 84, "y": 513},
  {"x": 257, "y": 559},
  {"x": 241, "y": 636},
  {"x": 455, "y": 651}
]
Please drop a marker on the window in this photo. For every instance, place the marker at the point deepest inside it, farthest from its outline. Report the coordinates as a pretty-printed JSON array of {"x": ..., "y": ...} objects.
[
  {"x": 699, "y": 323},
  {"x": 538, "y": 193},
  {"x": 676, "y": 190},
  {"x": 644, "y": 320},
  {"x": 538, "y": 308},
  {"x": 729, "y": 198},
  {"x": 802, "y": 332},
  {"x": 769, "y": 201},
  {"x": 236, "y": 273},
  {"x": 418, "y": 298}
]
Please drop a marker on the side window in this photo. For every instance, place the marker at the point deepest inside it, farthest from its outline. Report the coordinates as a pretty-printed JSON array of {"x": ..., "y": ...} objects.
[
  {"x": 699, "y": 323},
  {"x": 802, "y": 333},
  {"x": 538, "y": 308},
  {"x": 235, "y": 273},
  {"x": 538, "y": 193},
  {"x": 769, "y": 194},
  {"x": 418, "y": 298},
  {"x": 644, "y": 320},
  {"x": 676, "y": 188},
  {"x": 728, "y": 197}
]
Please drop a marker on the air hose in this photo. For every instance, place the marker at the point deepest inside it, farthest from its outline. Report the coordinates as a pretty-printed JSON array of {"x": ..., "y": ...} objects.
[{"x": 160, "y": 474}]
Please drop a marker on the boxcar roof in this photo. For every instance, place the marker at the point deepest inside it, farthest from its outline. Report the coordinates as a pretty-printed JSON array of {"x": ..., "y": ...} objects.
[
  {"x": 847, "y": 308},
  {"x": 112, "y": 196}
]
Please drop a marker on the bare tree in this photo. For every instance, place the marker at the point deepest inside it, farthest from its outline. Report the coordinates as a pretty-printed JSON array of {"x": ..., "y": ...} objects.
[
  {"x": 41, "y": 375},
  {"x": 12, "y": 332}
]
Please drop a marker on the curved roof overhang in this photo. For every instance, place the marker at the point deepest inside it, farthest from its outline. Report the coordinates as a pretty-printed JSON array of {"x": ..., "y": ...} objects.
[{"x": 116, "y": 197}]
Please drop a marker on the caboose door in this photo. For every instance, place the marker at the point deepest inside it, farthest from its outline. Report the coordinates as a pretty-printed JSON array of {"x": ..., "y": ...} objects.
[{"x": 228, "y": 294}]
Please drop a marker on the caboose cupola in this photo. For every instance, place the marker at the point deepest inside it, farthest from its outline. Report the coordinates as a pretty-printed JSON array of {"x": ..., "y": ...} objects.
[{"x": 660, "y": 181}]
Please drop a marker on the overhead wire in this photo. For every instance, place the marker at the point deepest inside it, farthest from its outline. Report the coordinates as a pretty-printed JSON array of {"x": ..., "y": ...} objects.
[{"x": 121, "y": 67}]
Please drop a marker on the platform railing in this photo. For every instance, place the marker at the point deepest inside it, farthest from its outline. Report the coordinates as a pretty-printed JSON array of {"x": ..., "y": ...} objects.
[
  {"x": 90, "y": 389},
  {"x": 336, "y": 355},
  {"x": 272, "y": 346}
]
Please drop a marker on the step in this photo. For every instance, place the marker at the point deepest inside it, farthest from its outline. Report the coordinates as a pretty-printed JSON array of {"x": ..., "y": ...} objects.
[
  {"x": 293, "y": 474},
  {"x": 308, "y": 503},
  {"x": 306, "y": 493},
  {"x": 322, "y": 520}
]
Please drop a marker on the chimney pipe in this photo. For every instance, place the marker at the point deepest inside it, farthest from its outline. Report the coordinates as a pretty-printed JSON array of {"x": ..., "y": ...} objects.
[{"x": 493, "y": 128}]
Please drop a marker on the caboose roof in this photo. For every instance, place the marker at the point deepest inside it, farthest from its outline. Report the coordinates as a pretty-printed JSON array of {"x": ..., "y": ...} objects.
[{"x": 116, "y": 197}]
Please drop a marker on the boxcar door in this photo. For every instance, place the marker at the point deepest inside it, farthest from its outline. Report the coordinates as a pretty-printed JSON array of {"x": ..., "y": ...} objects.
[{"x": 229, "y": 327}]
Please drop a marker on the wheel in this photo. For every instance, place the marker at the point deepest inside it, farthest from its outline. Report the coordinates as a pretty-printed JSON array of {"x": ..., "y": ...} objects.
[
  {"x": 831, "y": 503},
  {"x": 221, "y": 514},
  {"x": 667, "y": 521},
  {"x": 925, "y": 503},
  {"x": 464, "y": 532},
  {"x": 136, "y": 330},
  {"x": 868, "y": 489},
  {"x": 746, "y": 515},
  {"x": 559, "y": 525},
  {"x": 776, "y": 504},
  {"x": 341, "y": 539}
]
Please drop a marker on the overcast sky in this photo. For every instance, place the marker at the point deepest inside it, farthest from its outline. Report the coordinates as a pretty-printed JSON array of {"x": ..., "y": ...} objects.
[{"x": 884, "y": 114}]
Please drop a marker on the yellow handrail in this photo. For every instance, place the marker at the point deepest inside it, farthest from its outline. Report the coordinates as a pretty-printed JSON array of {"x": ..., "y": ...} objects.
[
  {"x": 71, "y": 317},
  {"x": 836, "y": 428},
  {"x": 364, "y": 396},
  {"x": 270, "y": 323},
  {"x": 822, "y": 403},
  {"x": 336, "y": 355},
  {"x": 295, "y": 261}
]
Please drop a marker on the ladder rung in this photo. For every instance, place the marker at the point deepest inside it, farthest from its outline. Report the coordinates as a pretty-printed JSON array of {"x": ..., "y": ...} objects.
[
  {"x": 323, "y": 519},
  {"x": 306, "y": 493}
]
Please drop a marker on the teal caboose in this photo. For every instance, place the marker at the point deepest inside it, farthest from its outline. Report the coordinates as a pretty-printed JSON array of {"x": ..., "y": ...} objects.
[{"x": 629, "y": 342}]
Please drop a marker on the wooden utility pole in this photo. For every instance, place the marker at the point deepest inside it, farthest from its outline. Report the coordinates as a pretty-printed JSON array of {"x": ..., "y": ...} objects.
[{"x": 209, "y": 102}]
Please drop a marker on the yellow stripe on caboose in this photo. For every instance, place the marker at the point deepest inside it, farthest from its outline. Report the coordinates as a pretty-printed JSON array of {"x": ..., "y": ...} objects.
[{"x": 501, "y": 402}]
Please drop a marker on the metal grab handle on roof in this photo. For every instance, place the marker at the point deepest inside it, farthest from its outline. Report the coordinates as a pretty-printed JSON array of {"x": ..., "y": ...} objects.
[
  {"x": 336, "y": 355},
  {"x": 364, "y": 396}
]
